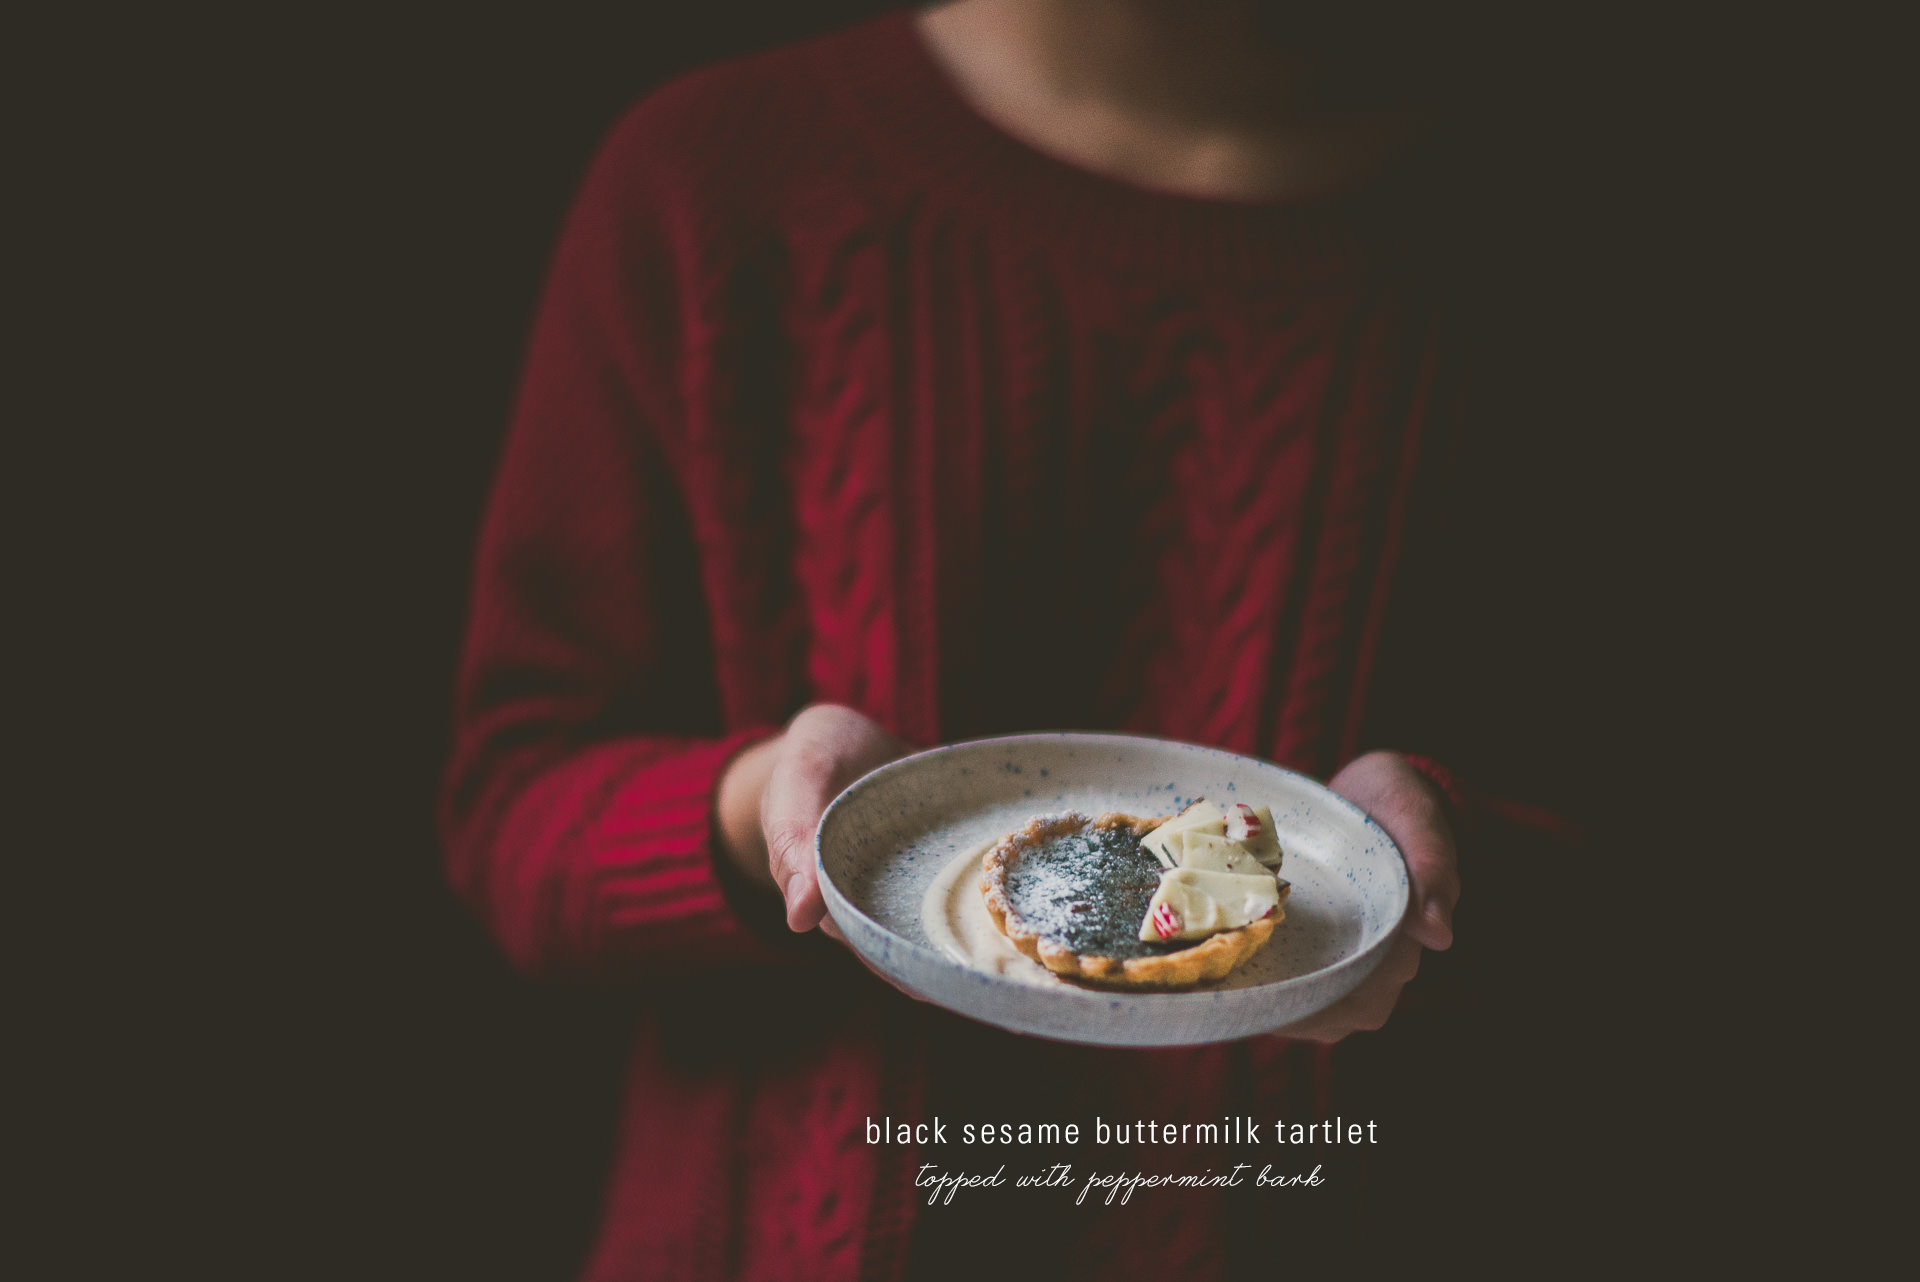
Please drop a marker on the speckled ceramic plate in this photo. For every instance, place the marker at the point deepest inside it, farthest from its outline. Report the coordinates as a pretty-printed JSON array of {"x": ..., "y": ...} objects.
[{"x": 885, "y": 839}]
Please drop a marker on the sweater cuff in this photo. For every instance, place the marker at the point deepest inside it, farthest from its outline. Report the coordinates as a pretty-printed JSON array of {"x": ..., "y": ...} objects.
[{"x": 654, "y": 886}]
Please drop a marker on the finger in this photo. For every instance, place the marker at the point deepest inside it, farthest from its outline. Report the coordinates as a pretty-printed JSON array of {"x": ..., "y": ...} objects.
[
  {"x": 1436, "y": 890},
  {"x": 1419, "y": 827},
  {"x": 1401, "y": 963},
  {"x": 825, "y": 748},
  {"x": 1408, "y": 806},
  {"x": 797, "y": 795}
]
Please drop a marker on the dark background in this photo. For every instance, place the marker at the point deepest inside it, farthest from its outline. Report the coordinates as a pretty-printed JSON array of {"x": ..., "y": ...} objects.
[
  {"x": 283, "y": 267},
  {"x": 459, "y": 1116}
]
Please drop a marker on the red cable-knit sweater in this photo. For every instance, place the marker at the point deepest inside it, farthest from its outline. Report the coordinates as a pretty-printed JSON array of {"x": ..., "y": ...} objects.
[{"x": 838, "y": 393}]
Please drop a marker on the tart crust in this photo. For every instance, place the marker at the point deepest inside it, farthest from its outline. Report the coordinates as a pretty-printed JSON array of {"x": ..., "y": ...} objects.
[{"x": 1209, "y": 959}]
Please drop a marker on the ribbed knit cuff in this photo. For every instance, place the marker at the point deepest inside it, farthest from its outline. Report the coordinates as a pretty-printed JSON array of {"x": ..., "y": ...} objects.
[{"x": 655, "y": 882}]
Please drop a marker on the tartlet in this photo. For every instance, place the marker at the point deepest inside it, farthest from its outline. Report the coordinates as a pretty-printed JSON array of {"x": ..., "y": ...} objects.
[{"x": 1071, "y": 891}]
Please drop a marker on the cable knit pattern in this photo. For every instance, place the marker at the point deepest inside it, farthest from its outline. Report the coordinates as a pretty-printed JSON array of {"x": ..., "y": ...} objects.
[{"x": 837, "y": 393}]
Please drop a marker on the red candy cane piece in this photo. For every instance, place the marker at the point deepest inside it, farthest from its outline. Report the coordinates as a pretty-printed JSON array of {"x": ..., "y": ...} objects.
[
  {"x": 1242, "y": 823},
  {"x": 1166, "y": 922}
]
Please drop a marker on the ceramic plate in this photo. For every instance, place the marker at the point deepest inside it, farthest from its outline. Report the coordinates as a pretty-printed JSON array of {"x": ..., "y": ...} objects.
[{"x": 886, "y": 838}]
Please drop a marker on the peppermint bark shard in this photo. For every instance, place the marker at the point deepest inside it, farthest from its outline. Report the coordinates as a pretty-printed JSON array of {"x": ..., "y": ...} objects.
[
  {"x": 1193, "y": 903},
  {"x": 1202, "y": 816},
  {"x": 1212, "y": 853},
  {"x": 1222, "y": 872},
  {"x": 1252, "y": 826}
]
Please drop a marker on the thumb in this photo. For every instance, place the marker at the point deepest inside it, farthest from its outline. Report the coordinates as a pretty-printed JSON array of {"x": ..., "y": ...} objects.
[{"x": 797, "y": 795}]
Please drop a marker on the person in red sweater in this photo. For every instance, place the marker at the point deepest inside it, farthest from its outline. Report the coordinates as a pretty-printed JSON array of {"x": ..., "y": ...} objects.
[{"x": 1016, "y": 364}]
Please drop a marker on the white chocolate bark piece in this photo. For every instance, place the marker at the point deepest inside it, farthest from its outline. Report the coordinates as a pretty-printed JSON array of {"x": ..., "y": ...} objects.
[
  {"x": 1201, "y": 816},
  {"x": 1193, "y": 903},
  {"x": 1264, "y": 845},
  {"x": 1214, "y": 853}
]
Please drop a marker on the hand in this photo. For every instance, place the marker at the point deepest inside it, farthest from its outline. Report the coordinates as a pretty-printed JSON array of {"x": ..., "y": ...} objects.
[
  {"x": 1405, "y": 803},
  {"x": 772, "y": 796}
]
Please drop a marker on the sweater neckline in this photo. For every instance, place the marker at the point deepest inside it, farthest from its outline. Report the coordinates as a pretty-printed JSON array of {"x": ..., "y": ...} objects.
[{"x": 901, "y": 102}]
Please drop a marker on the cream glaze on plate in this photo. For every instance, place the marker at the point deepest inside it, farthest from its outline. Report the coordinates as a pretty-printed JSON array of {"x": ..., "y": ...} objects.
[{"x": 955, "y": 916}]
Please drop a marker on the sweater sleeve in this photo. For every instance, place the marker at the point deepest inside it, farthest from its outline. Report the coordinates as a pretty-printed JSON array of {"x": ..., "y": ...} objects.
[{"x": 589, "y": 737}]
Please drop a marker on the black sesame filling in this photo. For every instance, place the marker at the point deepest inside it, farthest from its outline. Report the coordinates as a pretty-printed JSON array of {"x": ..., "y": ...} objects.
[{"x": 1089, "y": 891}]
